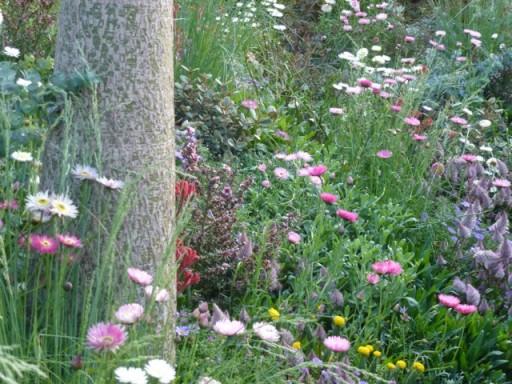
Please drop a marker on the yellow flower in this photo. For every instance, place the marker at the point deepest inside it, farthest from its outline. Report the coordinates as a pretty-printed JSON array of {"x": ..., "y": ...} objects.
[
  {"x": 391, "y": 366},
  {"x": 370, "y": 347},
  {"x": 339, "y": 321},
  {"x": 377, "y": 353},
  {"x": 401, "y": 364},
  {"x": 365, "y": 351},
  {"x": 297, "y": 345},
  {"x": 418, "y": 366},
  {"x": 274, "y": 314}
]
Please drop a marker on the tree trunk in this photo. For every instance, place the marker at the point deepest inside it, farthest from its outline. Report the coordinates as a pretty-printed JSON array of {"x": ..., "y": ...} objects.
[{"x": 129, "y": 45}]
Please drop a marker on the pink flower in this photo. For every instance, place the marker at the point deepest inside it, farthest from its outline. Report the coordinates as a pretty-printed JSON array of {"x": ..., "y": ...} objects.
[
  {"x": 384, "y": 154},
  {"x": 458, "y": 120},
  {"x": 501, "y": 183},
  {"x": 373, "y": 278},
  {"x": 336, "y": 111},
  {"x": 317, "y": 170},
  {"x": 365, "y": 83},
  {"x": 347, "y": 28},
  {"x": 43, "y": 244},
  {"x": 262, "y": 167},
  {"x": 387, "y": 267},
  {"x": 364, "y": 21},
  {"x": 250, "y": 104},
  {"x": 161, "y": 296},
  {"x": 139, "y": 276},
  {"x": 449, "y": 301},
  {"x": 466, "y": 309},
  {"x": 396, "y": 107},
  {"x": 477, "y": 43},
  {"x": 413, "y": 121},
  {"x": 129, "y": 313},
  {"x": 281, "y": 173},
  {"x": 409, "y": 39},
  {"x": 293, "y": 237},
  {"x": 328, "y": 198},
  {"x": 69, "y": 241},
  {"x": 347, "y": 215},
  {"x": 469, "y": 158},
  {"x": 473, "y": 33},
  {"x": 337, "y": 344},
  {"x": 229, "y": 327},
  {"x": 265, "y": 184},
  {"x": 417, "y": 137},
  {"x": 106, "y": 337},
  {"x": 315, "y": 180}
]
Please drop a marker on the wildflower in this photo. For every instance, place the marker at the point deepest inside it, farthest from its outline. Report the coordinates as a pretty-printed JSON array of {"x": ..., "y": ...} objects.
[
  {"x": 207, "y": 380},
  {"x": 69, "y": 241},
  {"x": 409, "y": 39},
  {"x": 373, "y": 278},
  {"x": 161, "y": 296},
  {"x": 458, "y": 120},
  {"x": 110, "y": 183},
  {"x": 84, "y": 172},
  {"x": 466, "y": 309},
  {"x": 106, "y": 337},
  {"x": 315, "y": 180},
  {"x": 347, "y": 215},
  {"x": 43, "y": 244},
  {"x": 337, "y": 344},
  {"x": 160, "y": 370},
  {"x": 365, "y": 83},
  {"x": 384, "y": 154},
  {"x": 184, "y": 190},
  {"x": 297, "y": 345},
  {"x": 401, "y": 364},
  {"x": 229, "y": 327},
  {"x": 418, "y": 366},
  {"x": 391, "y": 366},
  {"x": 62, "y": 205},
  {"x": 326, "y": 8},
  {"x": 449, "y": 301},
  {"x": 274, "y": 314},
  {"x": 250, "y": 104},
  {"x": 396, "y": 107},
  {"x": 387, "y": 267},
  {"x": 304, "y": 156},
  {"x": 129, "y": 375},
  {"x": 266, "y": 332},
  {"x": 377, "y": 354},
  {"x": 281, "y": 173},
  {"x": 336, "y": 111},
  {"x": 469, "y": 158},
  {"x": 279, "y": 27},
  {"x": 317, "y": 170},
  {"x": 129, "y": 313},
  {"x": 139, "y": 276},
  {"x": 339, "y": 321},
  {"x": 440, "y": 33},
  {"x": 11, "y": 52},
  {"x": 23, "y": 82},
  {"x": 501, "y": 183},
  {"x": 413, "y": 121},
  {"x": 22, "y": 156},
  {"x": 484, "y": 123},
  {"x": 328, "y": 198},
  {"x": 262, "y": 167},
  {"x": 417, "y": 137},
  {"x": 185, "y": 256},
  {"x": 363, "y": 350},
  {"x": 38, "y": 202},
  {"x": 265, "y": 184},
  {"x": 293, "y": 237}
]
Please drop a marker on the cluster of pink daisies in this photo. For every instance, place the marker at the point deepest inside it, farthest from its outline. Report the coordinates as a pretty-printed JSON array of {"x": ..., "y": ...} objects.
[
  {"x": 451, "y": 301},
  {"x": 48, "y": 245}
]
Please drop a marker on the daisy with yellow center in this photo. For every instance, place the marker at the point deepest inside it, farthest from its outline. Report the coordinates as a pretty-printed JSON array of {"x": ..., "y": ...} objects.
[
  {"x": 62, "y": 205},
  {"x": 39, "y": 202}
]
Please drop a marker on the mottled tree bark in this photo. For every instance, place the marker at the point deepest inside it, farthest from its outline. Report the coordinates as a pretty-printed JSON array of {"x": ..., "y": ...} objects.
[{"x": 129, "y": 45}]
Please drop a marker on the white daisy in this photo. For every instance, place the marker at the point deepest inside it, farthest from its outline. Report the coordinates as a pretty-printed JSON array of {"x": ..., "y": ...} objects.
[
  {"x": 129, "y": 375},
  {"x": 266, "y": 332},
  {"x": 84, "y": 172},
  {"x": 160, "y": 370},
  {"x": 207, "y": 380},
  {"x": 39, "y": 202},
  {"x": 62, "y": 205},
  {"x": 22, "y": 156},
  {"x": 110, "y": 183},
  {"x": 12, "y": 52}
]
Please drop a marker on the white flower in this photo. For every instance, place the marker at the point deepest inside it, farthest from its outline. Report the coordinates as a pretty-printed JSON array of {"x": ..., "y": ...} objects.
[
  {"x": 347, "y": 56},
  {"x": 362, "y": 53},
  {"x": 84, "y": 172},
  {"x": 280, "y": 27},
  {"x": 484, "y": 123},
  {"x": 22, "y": 156},
  {"x": 229, "y": 327},
  {"x": 326, "y": 8},
  {"x": 12, "y": 52},
  {"x": 160, "y": 370},
  {"x": 110, "y": 183},
  {"x": 441, "y": 33},
  {"x": 129, "y": 313},
  {"x": 129, "y": 375},
  {"x": 207, "y": 380},
  {"x": 376, "y": 48},
  {"x": 62, "y": 205},
  {"x": 266, "y": 331},
  {"x": 23, "y": 82},
  {"x": 39, "y": 202},
  {"x": 162, "y": 295},
  {"x": 494, "y": 36},
  {"x": 304, "y": 156}
]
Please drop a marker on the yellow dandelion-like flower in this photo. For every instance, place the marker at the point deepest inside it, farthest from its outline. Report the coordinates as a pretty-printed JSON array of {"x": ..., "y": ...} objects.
[
  {"x": 418, "y": 366},
  {"x": 370, "y": 347},
  {"x": 339, "y": 321},
  {"x": 391, "y": 366},
  {"x": 297, "y": 345},
  {"x": 401, "y": 364},
  {"x": 274, "y": 314},
  {"x": 377, "y": 353},
  {"x": 365, "y": 351}
]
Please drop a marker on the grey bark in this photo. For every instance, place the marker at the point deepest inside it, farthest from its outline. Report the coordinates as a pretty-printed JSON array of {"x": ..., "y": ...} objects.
[{"x": 129, "y": 45}]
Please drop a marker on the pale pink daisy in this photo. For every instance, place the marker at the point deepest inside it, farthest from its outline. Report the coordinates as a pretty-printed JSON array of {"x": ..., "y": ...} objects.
[
  {"x": 336, "y": 111},
  {"x": 473, "y": 33},
  {"x": 110, "y": 183},
  {"x": 501, "y": 183},
  {"x": 303, "y": 171},
  {"x": 328, "y": 198},
  {"x": 250, "y": 104},
  {"x": 466, "y": 309},
  {"x": 161, "y": 296},
  {"x": 315, "y": 180},
  {"x": 347, "y": 215},
  {"x": 458, "y": 120},
  {"x": 129, "y": 313},
  {"x": 409, "y": 39},
  {"x": 469, "y": 158},
  {"x": 396, "y": 107},
  {"x": 304, "y": 156},
  {"x": 262, "y": 167},
  {"x": 417, "y": 137},
  {"x": 69, "y": 241},
  {"x": 449, "y": 301},
  {"x": 413, "y": 121},
  {"x": 139, "y": 276},
  {"x": 266, "y": 331},
  {"x": 229, "y": 327},
  {"x": 337, "y": 343},
  {"x": 384, "y": 154},
  {"x": 294, "y": 237},
  {"x": 265, "y": 184},
  {"x": 281, "y": 173},
  {"x": 387, "y": 267},
  {"x": 106, "y": 337},
  {"x": 84, "y": 172},
  {"x": 373, "y": 278}
]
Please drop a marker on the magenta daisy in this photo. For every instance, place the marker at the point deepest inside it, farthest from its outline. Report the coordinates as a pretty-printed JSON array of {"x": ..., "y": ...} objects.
[
  {"x": 139, "y": 276},
  {"x": 69, "y": 241},
  {"x": 449, "y": 301},
  {"x": 347, "y": 215},
  {"x": 106, "y": 337},
  {"x": 365, "y": 83},
  {"x": 328, "y": 198},
  {"x": 413, "y": 121},
  {"x": 317, "y": 170},
  {"x": 384, "y": 154},
  {"x": 43, "y": 244},
  {"x": 129, "y": 313},
  {"x": 337, "y": 344}
]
